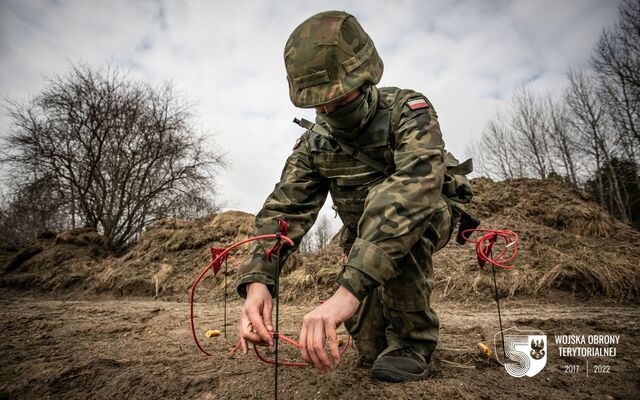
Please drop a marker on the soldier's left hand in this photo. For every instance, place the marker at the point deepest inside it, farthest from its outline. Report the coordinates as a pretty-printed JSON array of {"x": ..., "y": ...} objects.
[{"x": 319, "y": 327}]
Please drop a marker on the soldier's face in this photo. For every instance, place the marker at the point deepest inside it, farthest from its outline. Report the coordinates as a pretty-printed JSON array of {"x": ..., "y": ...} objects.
[{"x": 327, "y": 108}]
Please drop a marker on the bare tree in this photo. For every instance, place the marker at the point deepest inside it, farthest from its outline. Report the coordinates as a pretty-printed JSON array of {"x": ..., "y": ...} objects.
[
  {"x": 591, "y": 136},
  {"x": 518, "y": 144},
  {"x": 497, "y": 153},
  {"x": 561, "y": 136},
  {"x": 119, "y": 153},
  {"x": 32, "y": 209},
  {"x": 590, "y": 121},
  {"x": 616, "y": 61},
  {"x": 529, "y": 124},
  {"x": 322, "y": 232},
  {"x": 307, "y": 245},
  {"x": 193, "y": 204}
]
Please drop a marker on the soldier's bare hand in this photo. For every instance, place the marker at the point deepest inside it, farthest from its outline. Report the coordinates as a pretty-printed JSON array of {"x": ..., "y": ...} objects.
[
  {"x": 319, "y": 327},
  {"x": 255, "y": 317}
]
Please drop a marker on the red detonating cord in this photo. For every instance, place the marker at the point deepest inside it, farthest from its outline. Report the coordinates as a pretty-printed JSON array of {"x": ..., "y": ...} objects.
[{"x": 292, "y": 343}]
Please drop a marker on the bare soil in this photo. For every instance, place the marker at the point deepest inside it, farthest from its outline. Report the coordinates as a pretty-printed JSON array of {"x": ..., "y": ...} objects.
[{"x": 117, "y": 349}]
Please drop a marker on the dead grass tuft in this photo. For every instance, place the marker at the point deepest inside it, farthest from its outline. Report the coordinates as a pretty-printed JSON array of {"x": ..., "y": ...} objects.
[{"x": 82, "y": 237}]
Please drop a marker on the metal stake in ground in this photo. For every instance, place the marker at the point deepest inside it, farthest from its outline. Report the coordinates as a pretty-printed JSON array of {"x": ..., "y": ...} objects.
[
  {"x": 276, "y": 330},
  {"x": 485, "y": 255},
  {"x": 495, "y": 288},
  {"x": 225, "y": 297}
]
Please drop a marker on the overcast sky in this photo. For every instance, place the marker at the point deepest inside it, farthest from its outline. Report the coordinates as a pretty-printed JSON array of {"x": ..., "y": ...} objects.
[{"x": 467, "y": 57}]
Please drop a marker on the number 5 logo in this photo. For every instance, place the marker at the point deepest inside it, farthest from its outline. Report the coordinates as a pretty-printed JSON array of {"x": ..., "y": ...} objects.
[{"x": 526, "y": 353}]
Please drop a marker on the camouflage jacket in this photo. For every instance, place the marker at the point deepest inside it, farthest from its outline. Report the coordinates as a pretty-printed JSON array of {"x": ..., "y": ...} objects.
[{"x": 383, "y": 215}]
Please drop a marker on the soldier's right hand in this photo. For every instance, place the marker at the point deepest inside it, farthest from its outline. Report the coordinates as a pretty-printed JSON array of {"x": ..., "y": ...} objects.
[{"x": 255, "y": 316}]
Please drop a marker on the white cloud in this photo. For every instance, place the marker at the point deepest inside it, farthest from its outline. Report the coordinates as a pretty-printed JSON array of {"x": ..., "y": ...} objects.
[{"x": 226, "y": 57}]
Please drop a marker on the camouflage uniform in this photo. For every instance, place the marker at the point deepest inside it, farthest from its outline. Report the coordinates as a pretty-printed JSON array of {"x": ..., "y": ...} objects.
[{"x": 393, "y": 223}]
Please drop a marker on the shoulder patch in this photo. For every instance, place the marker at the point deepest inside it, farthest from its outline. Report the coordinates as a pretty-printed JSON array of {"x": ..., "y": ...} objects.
[
  {"x": 418, "y": 104},
  {"x": 297, "y": 144}
]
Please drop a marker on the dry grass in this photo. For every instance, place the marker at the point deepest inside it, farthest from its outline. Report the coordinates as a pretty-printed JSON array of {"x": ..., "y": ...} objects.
[
  {"x": 315, "y": 279},
  {"x": 582, "y": 221},
  {"x": 567, "y": 243},
  {"x": 594, "y": 272},
  {"x": 161, "y": 277},
  {"x": 82, "y": 237},
  {"x": 107, "y": 279}
]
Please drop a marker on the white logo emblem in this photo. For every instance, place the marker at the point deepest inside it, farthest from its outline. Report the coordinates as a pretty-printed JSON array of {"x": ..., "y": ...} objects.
[{"x": 526, "y": 352}]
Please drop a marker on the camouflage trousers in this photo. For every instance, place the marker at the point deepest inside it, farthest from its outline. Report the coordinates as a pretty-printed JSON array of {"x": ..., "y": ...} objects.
[{"x": 400, "y": 314}]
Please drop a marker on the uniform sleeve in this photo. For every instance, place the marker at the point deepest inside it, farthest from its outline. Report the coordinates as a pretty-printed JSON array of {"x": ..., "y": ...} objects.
[
  {"x": 298, "y": 196},
  {"x": 398, "y": 210}
]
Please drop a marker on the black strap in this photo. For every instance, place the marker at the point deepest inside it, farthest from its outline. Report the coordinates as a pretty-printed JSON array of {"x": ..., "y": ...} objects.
[
  {"x": 350, "y": 149},
  {"x": 467, "y": 221}
]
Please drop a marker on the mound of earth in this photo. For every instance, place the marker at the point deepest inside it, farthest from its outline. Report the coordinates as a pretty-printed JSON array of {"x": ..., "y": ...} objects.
[
  {"x": 566, "y": 242},
  {"x": 169, "y": 255},
  {"x": 54, "y": 263},
  {"x": 163, "y": 263}
]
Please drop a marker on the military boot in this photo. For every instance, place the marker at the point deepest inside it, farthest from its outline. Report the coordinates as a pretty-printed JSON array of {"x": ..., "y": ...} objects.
[{"x": 402, "y": 365}]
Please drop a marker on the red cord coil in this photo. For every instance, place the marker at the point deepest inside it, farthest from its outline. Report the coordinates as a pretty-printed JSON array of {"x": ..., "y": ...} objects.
[{"x": 484, "y": 246}]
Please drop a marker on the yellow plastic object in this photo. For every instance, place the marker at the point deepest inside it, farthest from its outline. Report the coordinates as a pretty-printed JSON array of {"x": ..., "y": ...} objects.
[
  {"x": 485, "y": 349},
  {"x": 213, "y": 332}
]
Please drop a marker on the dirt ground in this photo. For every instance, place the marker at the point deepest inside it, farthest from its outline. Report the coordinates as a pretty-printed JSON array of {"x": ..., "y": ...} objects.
[{"x": 53, "y": 348}]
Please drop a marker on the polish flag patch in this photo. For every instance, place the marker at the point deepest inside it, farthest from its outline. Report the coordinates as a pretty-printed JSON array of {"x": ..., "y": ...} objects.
[{"x": 417, "y": 104}]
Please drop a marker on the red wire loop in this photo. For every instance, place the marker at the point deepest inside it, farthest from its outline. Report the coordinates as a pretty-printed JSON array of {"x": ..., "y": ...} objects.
[
  {"x": 484, "y": 246},
  {"x": 217, "y": 261},
  {"x": 218, "y": 257}
]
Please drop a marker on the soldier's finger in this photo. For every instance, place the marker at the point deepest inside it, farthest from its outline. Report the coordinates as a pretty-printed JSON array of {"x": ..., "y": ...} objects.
[
  {"x": 332, "y": 339},
  {"x": 303, "y": 343},
  {"x": 258, "y": 326},
  {"x": 315, "y": 361},
  {"x": 244, "y": 327},
  {"x": 254, "y": 338},
  {"x": 318, "y": 342},
  {"x": 266, "y": 315},
  {"x": 243, "y": 345}
]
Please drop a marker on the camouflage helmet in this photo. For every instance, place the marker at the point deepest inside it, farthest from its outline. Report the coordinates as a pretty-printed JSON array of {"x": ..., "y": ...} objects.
[{"x": 328, "y": 56}]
